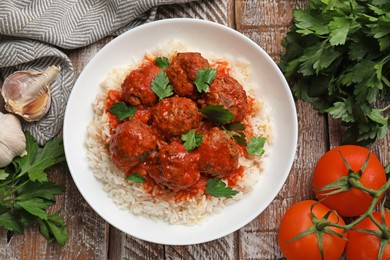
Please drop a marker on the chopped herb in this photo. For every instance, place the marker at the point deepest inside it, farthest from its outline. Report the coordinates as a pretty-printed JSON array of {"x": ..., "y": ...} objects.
[
  {"x": 217, "y": 114},
  {"x": 240, "y": 138},
  {"x": 162, "y": 62},
  {"x": 204, "y": 78},
  {"x": 26, "y": 194},
  {"x": 122, "y": 111},
  {"x": 161, "y": 87},
  {"x": 236, "y": 126},
  {"x": 217, "y": 188},
  {"x": 256, "y": 146},
  {"x": 191, "y": 140},
  {"x": 235, "y": 132},
  {"x": 144, "y": 156},
  {"x": 136, "y": 177}
]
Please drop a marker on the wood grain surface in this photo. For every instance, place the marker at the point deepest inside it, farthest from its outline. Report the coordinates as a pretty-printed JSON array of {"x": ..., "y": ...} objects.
[{"x": 266, "y": 22}]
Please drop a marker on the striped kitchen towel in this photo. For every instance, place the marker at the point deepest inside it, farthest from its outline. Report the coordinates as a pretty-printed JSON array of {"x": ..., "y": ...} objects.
[{"x": 34, "y": 33}]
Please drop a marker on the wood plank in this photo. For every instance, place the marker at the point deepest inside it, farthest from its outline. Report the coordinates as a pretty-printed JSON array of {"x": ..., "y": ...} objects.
[
  {"x": 123, "y": 246},
  {"x": 224, "y": 248},
  {"x": 267, "y": 22},
  {"x": 231, "y": 14}
]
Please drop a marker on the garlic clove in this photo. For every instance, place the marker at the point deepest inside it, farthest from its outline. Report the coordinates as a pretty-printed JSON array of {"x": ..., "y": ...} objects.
[
  {"x": 12, "y": 139},
  {"x": 27, "y": 93}
]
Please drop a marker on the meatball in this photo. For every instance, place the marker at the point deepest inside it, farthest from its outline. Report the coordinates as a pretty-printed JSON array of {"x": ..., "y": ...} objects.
[
  {"x": 228, "y": 92},
  {"x": 175, "y": 168},
  {"x": 176, "y": 115},
  {"x": 137, "y": 87},
  {"x": 130, "y": 142},
  {"x": 218, "y": 154},
  {"x": 182, "y": 72}
]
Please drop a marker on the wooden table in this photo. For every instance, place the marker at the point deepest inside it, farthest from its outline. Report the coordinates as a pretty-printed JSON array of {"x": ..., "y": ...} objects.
[{"x": 90, "y": 237}]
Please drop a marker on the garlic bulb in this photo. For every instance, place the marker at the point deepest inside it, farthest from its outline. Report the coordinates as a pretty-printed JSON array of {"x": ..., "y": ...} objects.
[
  {"x": 27, "y": 93},
  {"x": 12, "y": 139}
]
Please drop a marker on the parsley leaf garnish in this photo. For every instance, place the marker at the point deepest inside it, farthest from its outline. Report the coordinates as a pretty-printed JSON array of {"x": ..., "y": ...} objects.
[
  {"x": 256, "y": 146},
  {"x": 217, "y": 188},
  {"x": 235, "y": 126},
  {"x": 240, "y": 138},
  {"x": 191, "y": 140},
  {"x": 136, "y": 177},
  {"x": 122, "y": 111},
  {"x": 161, "y": 87},
  {"x": 217, "y": 114},
  {"x": 26, "y": 194},
  {"x": 204, "y": 78},
  {"x": 162, "y": 62},
  {"x": 235, "y": 131}
]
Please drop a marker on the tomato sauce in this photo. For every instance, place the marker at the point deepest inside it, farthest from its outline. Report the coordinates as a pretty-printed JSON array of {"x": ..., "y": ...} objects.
[
  {"x": 235, "y": 176},
  {"x": 113, "y": 96},
  {"x": 170, "y": 171}
]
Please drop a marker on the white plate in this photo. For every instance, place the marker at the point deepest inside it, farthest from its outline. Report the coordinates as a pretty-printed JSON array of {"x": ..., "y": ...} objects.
[{"x": 202, "y": 35}]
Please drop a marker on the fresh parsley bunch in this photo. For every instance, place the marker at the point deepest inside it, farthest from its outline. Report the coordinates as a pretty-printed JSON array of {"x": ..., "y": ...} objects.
[
  {"x": 26, "y": 194},
  {"x": 337, "y": 59}
]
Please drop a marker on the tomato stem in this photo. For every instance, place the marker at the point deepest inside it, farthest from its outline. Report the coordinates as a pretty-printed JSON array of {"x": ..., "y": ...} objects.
[
  {"x": 356, "y": 184},
  {"x": 376, "y": 196},
  {"x": 351, "y": 180}
]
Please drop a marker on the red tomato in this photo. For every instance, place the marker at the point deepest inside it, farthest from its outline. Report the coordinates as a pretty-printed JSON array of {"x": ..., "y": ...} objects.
[
  {"x": 331, "y": 167},
  {"x": 298, "y": 219},
  {"x": 363, "y": 246}
]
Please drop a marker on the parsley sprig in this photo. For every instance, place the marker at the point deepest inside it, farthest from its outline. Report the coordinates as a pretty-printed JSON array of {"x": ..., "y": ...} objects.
[
  {"x": 217, "y": 114},
  {"x": 122, "y": 111},
  {"x": 236, "y": 131},
  {"x": 26, "y": 194},
  {"x": 204, "y": 78},
  {"x": 162, "y": 62},
  {"x": 136, "y": 178},
  {"x": 191, "y": 140},
  {"x": 161, "y": 86},
  {"x": 338, "y": 59},
  {"x": 217, "y": 188},
  {"x": 256, "y": 145}
]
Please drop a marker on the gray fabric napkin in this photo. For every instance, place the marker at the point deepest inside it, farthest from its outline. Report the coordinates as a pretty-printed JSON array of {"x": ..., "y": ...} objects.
[{"x": 34, "y": 32}]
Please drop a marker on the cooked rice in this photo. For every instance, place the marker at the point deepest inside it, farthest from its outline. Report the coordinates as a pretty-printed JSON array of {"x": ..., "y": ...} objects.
[{"x": 132, "y": 196}]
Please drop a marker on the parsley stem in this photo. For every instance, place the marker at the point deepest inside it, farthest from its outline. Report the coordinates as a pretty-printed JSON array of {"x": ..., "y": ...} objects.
[
  {"x": 5, "y": 183},
  {"x": 12, "y": 191},
  {"x": 385, "y": 59},
  {"x": 22, "y": 173},
  {"x": 385, "y": 108},
  {"x": 353, "y": 10}
]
